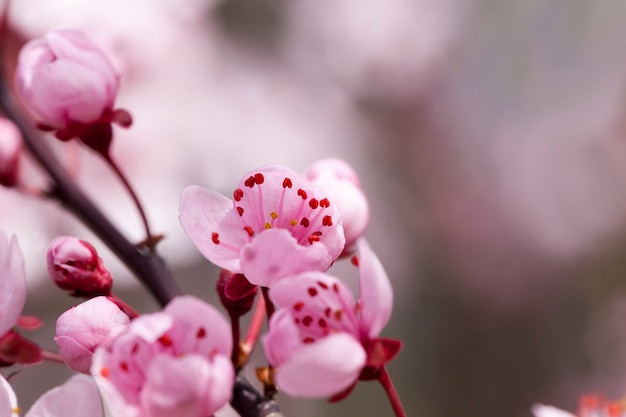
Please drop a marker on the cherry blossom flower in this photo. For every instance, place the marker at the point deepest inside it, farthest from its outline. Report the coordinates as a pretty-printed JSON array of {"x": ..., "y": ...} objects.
[
  {"x": 10, "y": 150},
  {"x": 74, "y": 265},
  {"x": 277, "y": 224},
  {"x": 174, "y": 362},
  {"x": 337, "y": 177},
  {"x": 321, "y": 332},
  {"x": 85, "y": 327},
  {"x": 12, "y": 284},
  {"x": 8, "y": 400}
]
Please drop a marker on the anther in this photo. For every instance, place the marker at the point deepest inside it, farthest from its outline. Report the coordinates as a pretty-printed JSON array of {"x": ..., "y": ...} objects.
[
  {"x": 201, "y": 333},
  {"x": 327, "y": 220},
  {"x": 298, "y": 306},
  {"x": 293, "y": 222},
  {"x": 215, "y": 237},
  {"x": 287, "y": 183},
  {"x": 267, "y": 226},
  {"x": 313, "y": 238},
  {"x": 322, "y": 284},
  {"x": 322, "y": 323},
  {"x": 274, "y": 215},
  {"x": 240, "y": 211},
  {"x": 250, "y": 182},
  {"x": 324, "y": 203},
  {"x": 259, "y": 178},
  {"x": 355, "y": 260},
  {"x": 313, "y": 203},
  {"x": 249, "y": 230},
  {"x": 238, "y": 194},
  {"x": 302, "y": 193},
  {"x": 124, "y": 366},
  {"x": 105, "y": 372},
  {"x": 304, "y": 222},
  {"x": 308, "y": 340},
  {"x": 307, "y": 320},
  {"x": 165, "y": 340},
  {"x": 312, "y": 291}
]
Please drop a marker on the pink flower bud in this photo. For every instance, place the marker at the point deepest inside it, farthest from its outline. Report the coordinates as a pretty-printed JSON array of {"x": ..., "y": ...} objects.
[
  {"x": 81, "y": 329},
  {"x": 74, "y": 265},
  {"x": 236, "y": 293},
  {"x": 10, "y": 149},
  {"x": 65, "y": 78},
  {"x": 341, "y": 183}
]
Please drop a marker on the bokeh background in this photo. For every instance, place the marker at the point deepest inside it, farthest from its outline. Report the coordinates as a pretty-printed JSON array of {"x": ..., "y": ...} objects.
[{"x": 489, "y": 137}]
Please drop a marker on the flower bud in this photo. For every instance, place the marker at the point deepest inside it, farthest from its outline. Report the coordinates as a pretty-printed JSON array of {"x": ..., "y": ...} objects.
[
  {"x": 74, "y": 265},
  {"x": 341, "y": 183},
  {"x": 81, "y": 329},
  {"x": 235, "y": 292},
  {"x": 10, "y": 149},
  {"x": 65, "y": 78}
]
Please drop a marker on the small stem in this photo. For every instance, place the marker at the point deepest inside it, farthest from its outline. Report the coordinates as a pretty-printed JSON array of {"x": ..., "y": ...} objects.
[
  {"x": 51, "y": 356},
  {"x": 252, "y": 335},
  {"x": 150, "y": 242},
  {"x": 235, "y": 330},
  {"x": 392, "y": 394}
]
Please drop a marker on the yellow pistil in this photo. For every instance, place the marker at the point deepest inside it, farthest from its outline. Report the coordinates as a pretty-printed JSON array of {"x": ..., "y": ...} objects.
[
  {"x": 268, "y": 226},
  {"x": 274, "y": 215}
]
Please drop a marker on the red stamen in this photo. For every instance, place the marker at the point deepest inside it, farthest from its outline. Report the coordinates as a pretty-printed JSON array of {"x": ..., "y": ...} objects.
[
  {"x": 327, "y": 221},
  {"x": 302, "y": 193},
  {"x": 240, "y": 211},
  {"x": 304, "y": 222},
  {"x": 298, "y": 306},
  {"x": 238, "y": 194},
  {"x": 313, "y": 203},
  {"x": 249, "y": 230},
  {"x": 201, "y": 333},
  {"x": 259, "y": 178},
  {"x": 307, "y": 320},
  {"x": 312, "y": 291},
  {"x": 324, "y": 203},
  {"x": 249, "y": 182},
  {"x": 287, "y": 183},
  {"x": 215, "y": 237},
  {"x": 322, "y": 284}
]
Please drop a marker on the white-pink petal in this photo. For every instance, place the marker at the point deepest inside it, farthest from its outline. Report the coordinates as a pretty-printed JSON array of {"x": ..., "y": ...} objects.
[
  {"x": 8, "y": 400},
  {"x": 283, "y": 339},
  {"x": 12, "y": 284},
  {"x": 275, "y": 254},
  {"x": 376, "y": 294},
  {"x": 323, "y": 368},
  {"x": 78, "y": 397},
  {"x": 204, "y": 212},
  {"x": 540, "y": 410}
]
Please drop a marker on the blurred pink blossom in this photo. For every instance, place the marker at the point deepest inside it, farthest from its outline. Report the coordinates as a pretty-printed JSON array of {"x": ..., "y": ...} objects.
[
  {"x": 83, "y": 328},
  {"x": 175, "y": 362},
  {"x": 10, "y": 150},
  {"x": 80, "y": 391},
  {"x": 12, "y": 284},
  {"x": 65, "y": 78},
  {"x": 277, "y": 224}
]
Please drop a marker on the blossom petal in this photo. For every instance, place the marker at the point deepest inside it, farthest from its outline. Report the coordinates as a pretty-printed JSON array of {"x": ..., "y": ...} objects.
[
  {"x": 208, "y": 217},
  {"x": 12, "y": 284},
  {"x": 182, "y": 386},
  {"x": 282, "y": 339},
  {"x": 198, "y": 327},
  {"x": 275, "y": 254},
  {"x": 376, "y": 294},
  {"x": 8, "y": 400},
  {"x": 80, "y": 391},
  {"x": 540, "y": 410},
  {"x": 323, "y": 368}
]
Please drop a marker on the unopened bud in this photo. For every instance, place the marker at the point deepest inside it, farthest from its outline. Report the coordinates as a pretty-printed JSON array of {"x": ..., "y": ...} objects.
[
  {"x": 74, "y": 265},
  {"x": 235, "y": 292},
  {"x": 85, "y": 327},
  {"x": 10, "y": 149},
  {"x": 341, "y": 183}
]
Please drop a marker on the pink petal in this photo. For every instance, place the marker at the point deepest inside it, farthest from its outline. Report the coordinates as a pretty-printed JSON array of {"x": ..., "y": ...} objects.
[
  {"x": 188, "y": 386},
  {"x": 323, "y": 368},
  {"x": 198, "y": 327},
  {"x": 319, "y": 296},
  {"x": 540, "y": 410},
  {"x": 12, "y": 284},
  {"x": 376, "y": 294},
  {"x": 78, "y": 397},
  {"x": 116, "y": 404},
  {"x": 8, "y": 400},
  {"x": 275, "y": 254},
  {"x": 282, "y": 339},
  {"x": 208, "y": 217}
]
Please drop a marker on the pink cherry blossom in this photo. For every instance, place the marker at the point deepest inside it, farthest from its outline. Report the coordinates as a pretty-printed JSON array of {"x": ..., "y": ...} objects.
[
  {"x": 277, "y": 224},
  {"x": 341, "y": 183},
  {"x": 321, "y": 332},
  {"x": 174, "y": 362},
  {"x": 74, "y": 265},
  {"x": 590, "y": 405},
  {"x": 12, "y": 284},
  {"x": 85, "y": 327},
  {"x": 64, "y": 77},
  {"x": 10, "y": 150},
  {"x": 540, "y": 410}
]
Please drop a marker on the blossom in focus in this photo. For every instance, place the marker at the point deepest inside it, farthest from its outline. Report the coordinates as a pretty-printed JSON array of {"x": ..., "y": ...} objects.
[
  {"x": 10, "y": 149},
  {"x": 338, "y": 179},
  {"x": 321, "y": 332},
  {"x": 590, "y": 406},
  {"x": 277, "y": 224},
  {"x": 85, "y": 327},
  {"x": 63, "y": 77},
  {"x": 74, "y": 265},
  {"x": 174, "y": 362}
]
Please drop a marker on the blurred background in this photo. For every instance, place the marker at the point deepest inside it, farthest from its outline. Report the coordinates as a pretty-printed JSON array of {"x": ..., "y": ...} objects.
[{"x": 489, "y": 138}]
